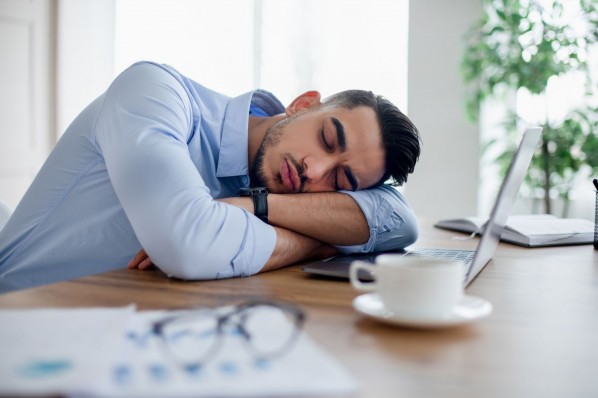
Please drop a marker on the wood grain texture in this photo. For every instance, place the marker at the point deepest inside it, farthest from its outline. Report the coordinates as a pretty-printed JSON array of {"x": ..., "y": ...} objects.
[{"x": 540, "y": 340}]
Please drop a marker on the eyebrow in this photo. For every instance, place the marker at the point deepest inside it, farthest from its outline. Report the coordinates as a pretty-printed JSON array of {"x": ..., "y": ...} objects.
[{"x": 342, "y": 144}]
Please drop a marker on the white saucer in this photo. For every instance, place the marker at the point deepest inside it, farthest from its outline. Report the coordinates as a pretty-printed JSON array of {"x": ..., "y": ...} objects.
[{"x": 469, "y": 309}]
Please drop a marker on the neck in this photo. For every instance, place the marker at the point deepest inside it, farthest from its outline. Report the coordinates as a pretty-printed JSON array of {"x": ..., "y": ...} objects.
[{"x": 257, "y": 128}]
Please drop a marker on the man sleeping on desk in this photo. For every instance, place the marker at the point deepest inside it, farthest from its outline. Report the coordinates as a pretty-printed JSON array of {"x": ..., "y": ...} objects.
[{"x": 195, "y": 182}]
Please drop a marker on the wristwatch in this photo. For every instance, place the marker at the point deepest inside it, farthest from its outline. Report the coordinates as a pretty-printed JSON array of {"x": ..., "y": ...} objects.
[{"x": 260, "y": 201}]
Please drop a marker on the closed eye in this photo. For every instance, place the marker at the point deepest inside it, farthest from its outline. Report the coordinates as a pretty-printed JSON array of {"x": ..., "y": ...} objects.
[
  {"x": 325, "y": 143},
  {"x": 342, "y": 174},
  {"x": 336, "y": 186},
  {"x": 347, "y": 177}
]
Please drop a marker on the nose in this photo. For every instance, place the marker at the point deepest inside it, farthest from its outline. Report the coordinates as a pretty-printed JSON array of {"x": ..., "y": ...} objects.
[{"x": 316, "y": 169}]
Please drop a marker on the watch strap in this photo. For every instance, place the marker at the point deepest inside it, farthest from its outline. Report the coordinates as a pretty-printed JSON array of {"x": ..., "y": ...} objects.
[
  {"x": 260, "y": 205},
  {"x": 259, "y": 195}
]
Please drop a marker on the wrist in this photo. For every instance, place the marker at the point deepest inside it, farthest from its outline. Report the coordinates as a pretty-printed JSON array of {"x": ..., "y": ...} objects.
[{"x": 259, "y": 196}]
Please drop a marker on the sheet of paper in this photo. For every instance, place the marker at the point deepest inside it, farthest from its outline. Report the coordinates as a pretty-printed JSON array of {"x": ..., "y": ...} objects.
[
  {"x": 145, "y": 369},
  {"x": 58, "y": 351},
  {"x": 534, "y": 225},
  {"x": 114, "y": 352}
]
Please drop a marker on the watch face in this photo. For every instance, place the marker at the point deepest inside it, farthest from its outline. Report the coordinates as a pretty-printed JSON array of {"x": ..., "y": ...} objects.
[{"x": 259, "y": 190}]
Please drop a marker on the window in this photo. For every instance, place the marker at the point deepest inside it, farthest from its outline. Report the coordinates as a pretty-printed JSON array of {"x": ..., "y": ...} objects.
[{"x": 285, "y": 46}]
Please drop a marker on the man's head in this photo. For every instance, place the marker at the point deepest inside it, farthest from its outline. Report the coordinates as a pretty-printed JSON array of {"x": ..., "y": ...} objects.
[{"x": 351, "y": 140}]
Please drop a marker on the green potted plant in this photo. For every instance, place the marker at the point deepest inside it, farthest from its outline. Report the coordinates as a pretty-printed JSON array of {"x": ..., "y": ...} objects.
[{"x": 522, "y": 46}]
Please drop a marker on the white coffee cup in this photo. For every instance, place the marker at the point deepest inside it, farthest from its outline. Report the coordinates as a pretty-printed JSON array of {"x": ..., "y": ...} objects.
[{"x": 410, "y": 286}]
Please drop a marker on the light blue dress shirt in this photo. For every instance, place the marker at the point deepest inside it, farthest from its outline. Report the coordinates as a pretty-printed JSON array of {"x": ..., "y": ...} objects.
[{"x": 141, "y": 167}]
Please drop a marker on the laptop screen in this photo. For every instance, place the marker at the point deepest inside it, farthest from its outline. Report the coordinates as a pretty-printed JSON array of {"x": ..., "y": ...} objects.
[{"x": 504, "y": 201}]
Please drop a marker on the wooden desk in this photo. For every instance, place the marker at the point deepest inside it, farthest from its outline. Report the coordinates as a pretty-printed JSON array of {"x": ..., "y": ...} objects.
[{"x": 540, "y": 341}]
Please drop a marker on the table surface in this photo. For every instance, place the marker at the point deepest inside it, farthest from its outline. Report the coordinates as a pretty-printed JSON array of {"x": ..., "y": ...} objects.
[{"x": 540, "y": 340}]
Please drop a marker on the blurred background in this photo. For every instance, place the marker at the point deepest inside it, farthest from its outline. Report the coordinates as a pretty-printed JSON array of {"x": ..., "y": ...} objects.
[{"x": 467, "y": 72}]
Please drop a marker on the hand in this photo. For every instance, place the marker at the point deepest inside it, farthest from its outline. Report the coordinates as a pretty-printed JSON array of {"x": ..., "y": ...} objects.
[{"x": 141, "y": 261}]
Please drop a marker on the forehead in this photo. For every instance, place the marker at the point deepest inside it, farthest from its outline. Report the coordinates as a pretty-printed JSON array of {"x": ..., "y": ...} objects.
[{"x": 360, "y": 122}]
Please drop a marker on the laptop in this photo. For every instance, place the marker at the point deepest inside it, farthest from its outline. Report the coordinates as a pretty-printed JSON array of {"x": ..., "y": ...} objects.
[{"x": 474, "y": 260}]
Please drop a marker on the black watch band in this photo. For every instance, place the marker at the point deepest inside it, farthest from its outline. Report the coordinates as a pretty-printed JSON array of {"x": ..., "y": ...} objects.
[{"x": 260, "y": 201}]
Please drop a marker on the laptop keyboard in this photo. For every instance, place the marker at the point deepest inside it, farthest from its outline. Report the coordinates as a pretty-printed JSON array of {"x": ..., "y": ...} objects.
[{"x": 460, "y": 255}]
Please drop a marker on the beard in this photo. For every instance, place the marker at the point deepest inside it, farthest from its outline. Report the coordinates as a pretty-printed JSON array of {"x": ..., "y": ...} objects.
[{"x": 271, "y": 139}]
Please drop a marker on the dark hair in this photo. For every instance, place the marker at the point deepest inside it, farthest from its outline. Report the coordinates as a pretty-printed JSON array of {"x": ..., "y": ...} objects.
[{"x": 400, "y": 138}]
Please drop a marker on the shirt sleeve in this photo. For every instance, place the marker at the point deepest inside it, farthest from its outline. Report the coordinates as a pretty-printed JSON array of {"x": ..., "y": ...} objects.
[
  {"x": 392, "y": 223},
  {"x": 142, "y": 131}
]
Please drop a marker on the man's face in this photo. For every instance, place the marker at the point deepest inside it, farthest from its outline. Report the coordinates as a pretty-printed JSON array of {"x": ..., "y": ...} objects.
[{"x": 326, "y": 149}]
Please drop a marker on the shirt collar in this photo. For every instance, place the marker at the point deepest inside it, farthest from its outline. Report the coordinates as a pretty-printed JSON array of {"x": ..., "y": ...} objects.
[{"x": 233, "y": 158}]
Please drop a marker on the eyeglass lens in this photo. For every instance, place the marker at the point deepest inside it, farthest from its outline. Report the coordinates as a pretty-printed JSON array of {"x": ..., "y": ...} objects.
[
  {"x": 193, "y": 337},
  {"x": 267, "y": 330},
  {"x": 270, "y": 329}
]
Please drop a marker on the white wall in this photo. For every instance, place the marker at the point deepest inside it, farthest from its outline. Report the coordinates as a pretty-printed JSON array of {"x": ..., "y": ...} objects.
[
  {"x": 60, "y": 57},
  {"x": 26, "y": 93},
  {"x": 85, "y": 55},
  {"x": 445, "y": 181},
  {"x": 296, "y": 45}
]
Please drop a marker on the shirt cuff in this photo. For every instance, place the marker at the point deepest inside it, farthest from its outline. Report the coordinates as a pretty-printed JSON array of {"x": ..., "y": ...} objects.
[
  {"x": 391, "y": 221},
  {"x": 260, "y": 240}
]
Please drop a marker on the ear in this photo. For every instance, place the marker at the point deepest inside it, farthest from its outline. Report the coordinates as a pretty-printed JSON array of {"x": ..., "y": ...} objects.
[{"x": 309, "y": 99}]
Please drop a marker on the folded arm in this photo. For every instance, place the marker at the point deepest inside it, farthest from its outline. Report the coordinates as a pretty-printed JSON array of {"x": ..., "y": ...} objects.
[
  {"x": 364, "y": 221},
  {"x": 331, "y": 217},
  {"x": 291, "y": 247},
  {"x": 319, "y": 225}
]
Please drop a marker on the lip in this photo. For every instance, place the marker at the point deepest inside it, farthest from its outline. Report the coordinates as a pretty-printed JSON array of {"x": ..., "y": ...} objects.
[{"x": 289, "y": 176}]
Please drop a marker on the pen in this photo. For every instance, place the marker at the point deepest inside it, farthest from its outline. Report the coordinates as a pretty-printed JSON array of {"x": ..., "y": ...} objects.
[{"x": 596, "y": 183}]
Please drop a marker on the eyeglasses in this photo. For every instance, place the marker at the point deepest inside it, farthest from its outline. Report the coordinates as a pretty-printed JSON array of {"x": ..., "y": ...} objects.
[{"x": 267, "y": 328}]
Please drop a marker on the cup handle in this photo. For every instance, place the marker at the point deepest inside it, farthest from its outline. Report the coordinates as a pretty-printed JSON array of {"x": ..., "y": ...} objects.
[{"x": 354, "y": 275}]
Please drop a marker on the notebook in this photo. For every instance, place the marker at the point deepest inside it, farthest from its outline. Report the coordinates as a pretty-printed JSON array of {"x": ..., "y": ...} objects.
[
  {"x": 474, "y": 261},
  {"x": 531, "y": 230}
]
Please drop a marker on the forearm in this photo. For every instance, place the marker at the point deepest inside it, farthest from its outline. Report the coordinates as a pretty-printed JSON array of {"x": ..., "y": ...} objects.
[
  {"x": 292, "y": 247},
  {"x": 330, "y": 217}
]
